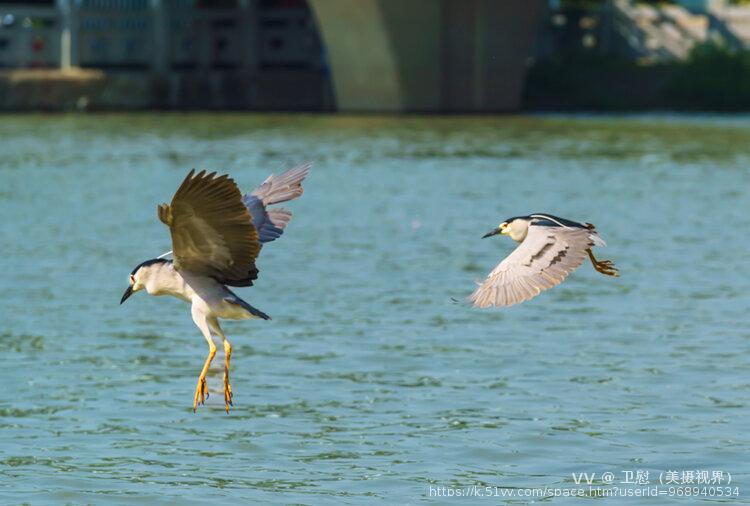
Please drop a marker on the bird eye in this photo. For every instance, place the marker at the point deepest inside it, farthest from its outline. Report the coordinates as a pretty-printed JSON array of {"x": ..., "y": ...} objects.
[{"x": 132, "y": 279}]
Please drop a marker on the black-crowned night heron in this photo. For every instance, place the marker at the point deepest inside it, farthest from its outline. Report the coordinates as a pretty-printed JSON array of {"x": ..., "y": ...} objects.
[
  {"x": 217, "y": 234},
  {"x": 550, "y": 249}
]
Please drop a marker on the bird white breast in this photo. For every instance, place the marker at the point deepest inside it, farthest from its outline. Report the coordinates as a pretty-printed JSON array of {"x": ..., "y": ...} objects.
[{"x": 163, "y": 279}]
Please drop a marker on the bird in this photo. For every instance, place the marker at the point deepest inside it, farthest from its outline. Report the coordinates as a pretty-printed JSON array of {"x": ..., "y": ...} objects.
[
  {"x": 217, "y": 234},
  {"x": 550, "y": 248}
]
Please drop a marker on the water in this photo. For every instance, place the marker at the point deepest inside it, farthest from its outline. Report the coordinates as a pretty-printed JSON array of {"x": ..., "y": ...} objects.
[{"x": 370, "y": 384}]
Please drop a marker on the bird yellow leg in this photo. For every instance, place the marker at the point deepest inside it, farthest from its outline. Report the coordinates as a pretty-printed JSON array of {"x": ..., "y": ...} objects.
[
  {"x": 227, "y": 386},
  {"x": 606, "y": 267},
  {"x": 213, "y": 324},
  {"x": 201, "y": 389}
]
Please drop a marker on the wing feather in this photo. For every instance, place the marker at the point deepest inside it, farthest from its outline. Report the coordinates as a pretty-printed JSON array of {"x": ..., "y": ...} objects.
[
  {"x": 543, "y": 260},
  {"x": 275, "y": 189},
  {"x": 287, "y": 186},
  {"x": 212, "y": 231}
]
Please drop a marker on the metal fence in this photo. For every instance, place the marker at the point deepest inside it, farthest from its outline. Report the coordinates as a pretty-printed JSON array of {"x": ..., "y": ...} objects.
[{"x": 159, "y": 35}]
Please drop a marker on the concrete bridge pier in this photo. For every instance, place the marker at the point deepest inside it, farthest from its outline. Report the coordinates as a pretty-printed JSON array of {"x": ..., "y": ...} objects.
[{"x": 428, "y": 55}]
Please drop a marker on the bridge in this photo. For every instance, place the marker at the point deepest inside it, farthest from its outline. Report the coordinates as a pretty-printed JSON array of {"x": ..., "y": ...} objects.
[{"x": 428, "y": 55}]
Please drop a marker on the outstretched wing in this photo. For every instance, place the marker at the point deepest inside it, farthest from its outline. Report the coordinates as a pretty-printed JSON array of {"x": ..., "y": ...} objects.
[
  {"x": 212, "y": 231},
  {"x": 275, "y": 189},
  {"x": 544, "y": 259}
]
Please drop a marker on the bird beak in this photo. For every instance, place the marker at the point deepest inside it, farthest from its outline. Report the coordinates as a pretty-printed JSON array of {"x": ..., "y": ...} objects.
[
  {"x": 127, "y": 294},
  {"x": 491, "y": 233}
]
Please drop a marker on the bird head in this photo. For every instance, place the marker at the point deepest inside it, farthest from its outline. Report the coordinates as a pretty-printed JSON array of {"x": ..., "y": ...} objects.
[
  {"x": 139, "y": 277},
  {"x": 516, "y": 228}
]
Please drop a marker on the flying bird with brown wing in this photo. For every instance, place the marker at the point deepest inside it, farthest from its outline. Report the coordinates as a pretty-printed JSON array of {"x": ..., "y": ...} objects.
[{"x": 217, "y": 234}]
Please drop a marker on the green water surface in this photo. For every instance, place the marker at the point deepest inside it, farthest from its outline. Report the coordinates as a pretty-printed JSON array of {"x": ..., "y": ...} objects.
[{"x": 370, "y": 384}]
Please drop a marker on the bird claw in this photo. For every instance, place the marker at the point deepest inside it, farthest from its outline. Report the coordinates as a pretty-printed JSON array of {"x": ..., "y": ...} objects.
[
  {"x": 227, "y": 393},
  {"x": 201, "y": 393},
  {"x": 606, "y": 267}
]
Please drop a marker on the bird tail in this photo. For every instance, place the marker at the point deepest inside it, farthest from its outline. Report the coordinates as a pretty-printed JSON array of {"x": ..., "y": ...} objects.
[
  {"x": 594, "y": 235},
  {"x": 284, "y": 187},
  {"x": 598, "y": 241},
  {"x": 233, "y": 299}
]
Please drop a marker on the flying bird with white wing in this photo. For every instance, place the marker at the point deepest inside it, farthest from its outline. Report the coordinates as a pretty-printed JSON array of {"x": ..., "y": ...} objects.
[{"x": 549, "y": 249}]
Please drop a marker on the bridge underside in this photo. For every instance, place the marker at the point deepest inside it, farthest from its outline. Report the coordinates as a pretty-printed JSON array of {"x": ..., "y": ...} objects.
[{"x": 428, "y": 55}]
